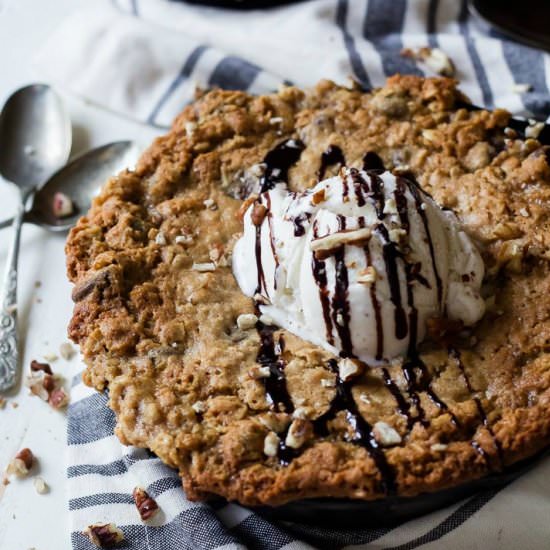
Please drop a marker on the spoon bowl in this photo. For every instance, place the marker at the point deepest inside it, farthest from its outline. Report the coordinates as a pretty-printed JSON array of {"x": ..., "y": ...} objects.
[
  {"x": 35, "y": 136},
  {"x": 81, "y": 181}
]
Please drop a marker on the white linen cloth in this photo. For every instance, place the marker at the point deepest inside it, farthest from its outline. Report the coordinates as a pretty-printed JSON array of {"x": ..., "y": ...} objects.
[{"x": 142, "y": 59}]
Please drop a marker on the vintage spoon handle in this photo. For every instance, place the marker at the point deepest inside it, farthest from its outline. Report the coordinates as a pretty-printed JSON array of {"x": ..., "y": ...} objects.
[{"x": 9, "y": 359}]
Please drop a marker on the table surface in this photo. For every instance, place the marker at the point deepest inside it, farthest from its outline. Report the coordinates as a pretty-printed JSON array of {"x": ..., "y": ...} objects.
[{"x": 29, "y": 520}]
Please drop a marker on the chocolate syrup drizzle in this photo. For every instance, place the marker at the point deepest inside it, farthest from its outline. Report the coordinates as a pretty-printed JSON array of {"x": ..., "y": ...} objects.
[
  {"x": 362, "y": 430},
  {"x": 455, "y": 354},
  {"x": 333, "y": 155},
  {"x": 320, "y": 276},
  {"x": 341, "y": 316},
  {"x": 278, "y": 162},
  {"x": 299, "y": 223}
]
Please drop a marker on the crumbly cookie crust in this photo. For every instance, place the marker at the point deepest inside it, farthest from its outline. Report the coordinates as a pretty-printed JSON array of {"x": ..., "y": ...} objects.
[{"x": 157, "y": 305}]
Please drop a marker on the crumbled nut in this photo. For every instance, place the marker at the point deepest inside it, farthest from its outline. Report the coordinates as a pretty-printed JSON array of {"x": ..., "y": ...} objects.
[
  {"x": 430, "y": 135},
  {"x": 40, "y": 485},
  {"x": 438, "y": 447},
  {"x": 258, "y": 214},
  {"x": 434, "y": 58},
  {"x": 14, "y": 404},
  {"x": 367, "y": 276},
  {"x": 66, "y": 351},
  {"x": 390, "y": 206},
  {"x": 521, "y": 88},
  {"x": 524, "y": 212},
  {"x": 335, "y": 240},
  {"x": 348, "y": 368},
  {"x": 340, "y": 319},
  {"x": 40, "y": 367},
  {"x": 160, "y": 239},
  {"x": 204, "y": 267},
  {"x": 275, "y": 422},
  {"x": 506, "y": 231},
  {"x": 510, "y": 133},
  {"x": 318, "y": 197},
  {"x": 303, "y": 413},
  {"x": 104, "y": 535},
  {"x": 2, "y": 403},
  {"x": 258, "y": 170},
  {"x": 58, "y": 398},
  {"x": 271, "y": 444},
  {"x": 266, "y": 319},
  {"x": 47, "y": 386},
  {"x": 534, "y": 129},
  {"x": 210, "y": 203},
  {"x": 511, "y": 255},
  {"x": 62, "y": 205},
  {"x": 183, "y": 239},
  {"x": 257, "y": 371},
  {"x": 190, "y": 128},
  {"x": 386, "y": 435},
  {"x": 397, "y": 235},
  {"x": 298, "y": 433},
  {"x": 215, "y": 254},
  {"x": 328, "y": 382},
  {"x": 199, "y": 407},
  {"x": 146, "y": 505},
  {"x": 21, "y": 464},
  {"x": 50, "y": 357},
  {"x": 247, "y": 321}
]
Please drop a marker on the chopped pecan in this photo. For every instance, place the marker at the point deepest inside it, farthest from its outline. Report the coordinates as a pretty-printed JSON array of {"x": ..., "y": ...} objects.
[
  {"x": 104, "y": 535},
  {"x": 258, "y": 214},
  {"x": 100, "y": 279},
  {"x": 146, "y": 505},
  {"x": 44, "y": 367},
  {"x": 21, "y": 464},
  {"x": 46, "y": 385}
]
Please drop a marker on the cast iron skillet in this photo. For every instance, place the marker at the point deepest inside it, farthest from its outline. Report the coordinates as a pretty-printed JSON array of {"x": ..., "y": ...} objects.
[
  {"x": 526, "y": 21},
  {"x": 391, "y": 510},
  {"x": 241, "y": 4}
]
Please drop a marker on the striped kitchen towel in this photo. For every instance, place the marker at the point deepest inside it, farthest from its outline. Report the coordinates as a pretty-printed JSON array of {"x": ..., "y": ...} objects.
[
  {"x": 143, "y": 59},
  {"x": 102, "y": 474}
]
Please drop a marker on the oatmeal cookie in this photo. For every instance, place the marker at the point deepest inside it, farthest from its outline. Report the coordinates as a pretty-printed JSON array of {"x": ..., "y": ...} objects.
[{"x": 191, "y": 375}]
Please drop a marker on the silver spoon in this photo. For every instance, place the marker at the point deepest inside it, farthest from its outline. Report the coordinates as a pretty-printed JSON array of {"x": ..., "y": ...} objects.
[
  {"x": 35, "y": 140},
  {"x": 80, "y": 181}
]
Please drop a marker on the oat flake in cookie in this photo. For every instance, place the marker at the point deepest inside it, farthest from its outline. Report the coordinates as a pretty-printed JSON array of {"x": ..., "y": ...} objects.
[{"x": 203, "y": 375}]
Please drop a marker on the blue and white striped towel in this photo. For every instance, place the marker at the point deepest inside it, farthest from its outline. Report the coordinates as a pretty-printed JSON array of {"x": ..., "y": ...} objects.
[{"x": 142, "y": 59}]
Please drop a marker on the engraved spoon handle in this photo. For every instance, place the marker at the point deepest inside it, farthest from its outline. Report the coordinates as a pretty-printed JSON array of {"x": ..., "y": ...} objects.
[{"x": 9, "y": 359}]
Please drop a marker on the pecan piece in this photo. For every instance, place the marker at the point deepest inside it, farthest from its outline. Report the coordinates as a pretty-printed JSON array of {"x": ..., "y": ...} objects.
[
  {"x": 146, "y": 505},
  {"x": 44, "y": 367},
  {"x": 259, "y": 212},
  {"x": 21, "y": 464},
  {"x": 104, "y": 535}
]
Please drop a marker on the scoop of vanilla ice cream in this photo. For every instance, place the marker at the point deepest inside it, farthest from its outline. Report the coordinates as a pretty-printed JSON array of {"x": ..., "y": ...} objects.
[{"x": 358, "y": 263}]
